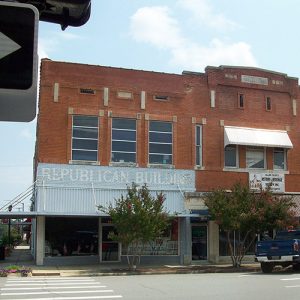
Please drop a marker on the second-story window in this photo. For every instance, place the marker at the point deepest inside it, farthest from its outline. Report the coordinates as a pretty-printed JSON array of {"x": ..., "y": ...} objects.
[
  {"x": 160, "y": 142},
  {"x": 268, "y": 104},
  {"x": 198, "y": 145},
  {"x": 123, "y": 147},
  {"x": 241, "y": 101},
  {"x": 85, "y": 138},
  {"x": 255, "y": 158},
  {"x": 279, "y": 159}
]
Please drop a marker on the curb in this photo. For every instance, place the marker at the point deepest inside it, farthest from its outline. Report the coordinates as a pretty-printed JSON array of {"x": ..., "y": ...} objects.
[{"x": 147, "y": 272}]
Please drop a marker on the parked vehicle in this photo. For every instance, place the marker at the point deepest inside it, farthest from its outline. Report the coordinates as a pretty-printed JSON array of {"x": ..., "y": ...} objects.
[{"x": 283, "y": 251}]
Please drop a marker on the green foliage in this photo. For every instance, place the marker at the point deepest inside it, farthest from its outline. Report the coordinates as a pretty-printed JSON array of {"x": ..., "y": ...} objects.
[
  {"x": 248, "y": 213},
  {"x": 138, "y": 217}
]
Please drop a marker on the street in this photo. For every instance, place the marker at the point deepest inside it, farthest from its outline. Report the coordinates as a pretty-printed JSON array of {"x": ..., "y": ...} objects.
[{"x": 189, "y": 286}]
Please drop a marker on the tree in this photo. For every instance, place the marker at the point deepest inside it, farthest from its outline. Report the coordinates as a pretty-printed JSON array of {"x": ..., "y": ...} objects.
[
  {"x": 249, "y": 214},
  {"x": 139, "y": 218}
]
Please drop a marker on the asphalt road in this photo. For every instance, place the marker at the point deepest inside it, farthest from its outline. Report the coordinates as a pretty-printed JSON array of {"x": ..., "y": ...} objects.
[{"x": 241, "y": 286}]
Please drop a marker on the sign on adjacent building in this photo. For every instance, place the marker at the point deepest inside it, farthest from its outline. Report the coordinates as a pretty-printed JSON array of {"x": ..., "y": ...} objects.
[
  {"x": 18, "y": 61},
  {"x": 275, "y": 181}
]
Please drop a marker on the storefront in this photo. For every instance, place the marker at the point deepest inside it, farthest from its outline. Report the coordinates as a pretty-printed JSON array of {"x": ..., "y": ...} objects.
[{"x": 71, "y": 229}]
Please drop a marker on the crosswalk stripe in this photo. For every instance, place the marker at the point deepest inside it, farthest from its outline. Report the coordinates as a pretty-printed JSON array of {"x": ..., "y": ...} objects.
[
  {"x": 58, "y": 287},
  {"x": 75, "y": 298},
  {"x": 289, "y": 279},
  {"x": 45, "y": 283},
  {"x": 61, "y": 292}
]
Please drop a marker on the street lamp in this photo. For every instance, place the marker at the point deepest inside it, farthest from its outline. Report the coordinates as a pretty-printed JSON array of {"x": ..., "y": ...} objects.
[{"x": 9, "y": 209}]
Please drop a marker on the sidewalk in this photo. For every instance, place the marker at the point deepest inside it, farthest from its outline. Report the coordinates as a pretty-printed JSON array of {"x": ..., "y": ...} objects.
[{"x": 21, "y": 256}]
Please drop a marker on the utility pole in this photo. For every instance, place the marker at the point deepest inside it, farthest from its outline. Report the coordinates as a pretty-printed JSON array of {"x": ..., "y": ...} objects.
[{"x": 9, "y": 238}]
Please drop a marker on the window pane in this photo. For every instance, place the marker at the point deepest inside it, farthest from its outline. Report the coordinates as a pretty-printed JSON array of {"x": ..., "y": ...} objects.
[
  {"x": 160, "y": 148},
  {"x": 198, "y": 135},
  {"x": 82, "y": 132},
  {"x": 255, "y": 158},
  {"x": 84, "y": 138},
  {"x": 123, "y": 157},
  {"x": 123, "y": 135},
  {"x": 230, "y": 156},
  {"x": 123, "y": 146},
  {"x": 84, "y": 155},
  {"x": 85, "y": 144},
  {"x": 160, "y": 137},
  {"x": 160, "y": 159},
  {"x": 160, "y": 126},
  {"x": 123, "y": 140},
  {"x": 71, "y": 236},
  {"x": 279, "y": 159},
  {"x": 86, "y": 121},
  {"x": 124, "y": 124},
  {"x": 198, "y": 156}
]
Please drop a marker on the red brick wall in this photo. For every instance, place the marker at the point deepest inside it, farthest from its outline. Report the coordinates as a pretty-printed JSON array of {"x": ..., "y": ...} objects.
[{"x": 188, "y": 105}]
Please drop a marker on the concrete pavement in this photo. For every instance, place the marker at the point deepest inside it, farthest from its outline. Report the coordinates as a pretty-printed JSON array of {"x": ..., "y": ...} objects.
[{"x": 21, "y": 256}]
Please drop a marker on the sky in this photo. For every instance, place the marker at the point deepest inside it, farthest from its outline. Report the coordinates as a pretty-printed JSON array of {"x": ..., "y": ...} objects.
[{"x": 159, "y": 35}]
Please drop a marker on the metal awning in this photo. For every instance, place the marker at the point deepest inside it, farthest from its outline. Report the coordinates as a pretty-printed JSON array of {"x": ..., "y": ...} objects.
[{"x": 256, "y": 137}]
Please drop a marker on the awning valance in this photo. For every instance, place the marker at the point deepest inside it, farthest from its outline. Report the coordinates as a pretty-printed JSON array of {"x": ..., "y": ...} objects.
[{"x": 256, "y": 137}]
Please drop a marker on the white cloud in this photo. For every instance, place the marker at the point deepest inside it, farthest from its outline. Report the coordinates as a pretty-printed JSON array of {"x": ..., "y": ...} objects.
[
  {"x": 27, "y": 134},
  {"x": 203, "y": 12},
  {"x": 156, "y": 26},
  {"x": 196, "y": 57},
  {"x": 52, "y": 43}
]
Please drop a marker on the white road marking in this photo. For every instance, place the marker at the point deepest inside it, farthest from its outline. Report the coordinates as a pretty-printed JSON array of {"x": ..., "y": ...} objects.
[
  {"x": 58, "y": 287},
  {"x": 43, "y": 284},
  {"x": 62, "y": 292},
  {"x": 289, "y": 279},
  {"x": 75, "y": 298},
  {"x": 292, "y": 286}
]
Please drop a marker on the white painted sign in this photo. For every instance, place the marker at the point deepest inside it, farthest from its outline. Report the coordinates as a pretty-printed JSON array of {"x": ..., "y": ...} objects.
[
  {"x": 275, "y": 181},
  {"x": 254, "y": 80},
  {"x": 115, "y": 177}
]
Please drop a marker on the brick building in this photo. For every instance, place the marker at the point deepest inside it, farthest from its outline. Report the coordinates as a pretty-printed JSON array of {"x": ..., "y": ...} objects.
[{"x": 101, "y": 128}]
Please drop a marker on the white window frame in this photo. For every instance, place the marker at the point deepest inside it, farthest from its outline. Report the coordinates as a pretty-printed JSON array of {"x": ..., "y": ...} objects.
[
  {"x": 162, "y": 132},
  {"x": 198, "y": 147},
  {"x": 236, "y": 157},
  {"x": 284, "y": 158},
  {"x": 78, "y": 138},
  {"x": 123, "y": 140},
  {"x": 257, "y": 149}
]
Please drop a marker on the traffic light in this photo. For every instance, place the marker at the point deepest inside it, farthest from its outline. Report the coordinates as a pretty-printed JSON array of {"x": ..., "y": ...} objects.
[{"x": 63, "y": 12}]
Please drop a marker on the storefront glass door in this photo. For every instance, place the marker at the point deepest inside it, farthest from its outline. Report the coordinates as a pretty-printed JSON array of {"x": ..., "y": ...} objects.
[
  {"x": 110, "y": 248},
  {"x": 199, "y": 242}
]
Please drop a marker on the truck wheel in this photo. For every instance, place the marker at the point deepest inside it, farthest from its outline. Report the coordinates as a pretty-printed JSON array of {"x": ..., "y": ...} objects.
[
  {"x": 266, "y": 267},
  {"x": 296, "y": 267}
]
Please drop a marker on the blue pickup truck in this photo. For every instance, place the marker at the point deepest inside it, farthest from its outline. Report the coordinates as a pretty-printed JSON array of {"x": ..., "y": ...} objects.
[{"x": 283, "y": 251}]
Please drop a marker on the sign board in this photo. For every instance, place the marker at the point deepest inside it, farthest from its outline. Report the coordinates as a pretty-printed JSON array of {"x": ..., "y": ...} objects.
[
  {"x": 115, "y": 177},
  {"x": 18, "y": 61},
  {"x": 275, "y": 181}
]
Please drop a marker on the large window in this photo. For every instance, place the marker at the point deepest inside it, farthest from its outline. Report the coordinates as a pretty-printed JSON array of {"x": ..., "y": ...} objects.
[
  {"x": 231, "y": 158},
  {"x": 255, "y": 158},
  {"x": 85, "y": 138},
  {"x": 279, "y": 159},
  {"x": 236, "y": 238},
  {"x": 198, "y": 145},
  {"x": 123, "y": 147},
  {"x": 71, "y": 236},
  {"x": 160, "y": 142}
]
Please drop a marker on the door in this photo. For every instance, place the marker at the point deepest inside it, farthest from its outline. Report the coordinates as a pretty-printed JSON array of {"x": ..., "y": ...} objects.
[
  {"x": 110, "y": 248},
  {"x": 199, "y": 242}
]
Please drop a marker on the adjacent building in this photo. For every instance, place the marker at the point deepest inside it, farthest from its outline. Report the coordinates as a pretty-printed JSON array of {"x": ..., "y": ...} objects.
[{"x": 101, "y": 128}]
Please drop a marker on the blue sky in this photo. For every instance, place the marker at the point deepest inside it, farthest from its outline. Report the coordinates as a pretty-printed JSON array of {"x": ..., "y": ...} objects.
[{"x": 165, "y": 36}]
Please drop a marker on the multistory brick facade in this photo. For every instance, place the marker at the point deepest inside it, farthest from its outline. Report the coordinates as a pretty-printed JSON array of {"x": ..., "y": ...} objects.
[{"x": 202, "y": 109}]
